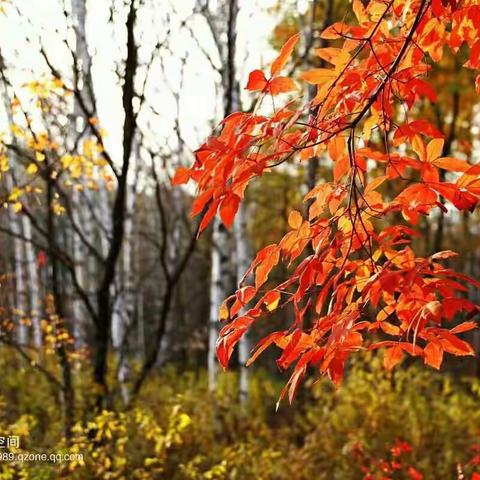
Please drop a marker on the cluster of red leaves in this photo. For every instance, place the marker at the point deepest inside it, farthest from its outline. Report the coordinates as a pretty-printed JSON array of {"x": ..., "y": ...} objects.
[
  {"x": 387, "y": 468},
  {"x": 354, "y": 276},
  {"x": 474, "y": 462},
  {"x": 398, "y": 462}
]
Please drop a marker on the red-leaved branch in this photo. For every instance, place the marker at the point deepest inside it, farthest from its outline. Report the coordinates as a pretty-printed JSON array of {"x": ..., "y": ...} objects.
[{"x": 352, "y": 267}]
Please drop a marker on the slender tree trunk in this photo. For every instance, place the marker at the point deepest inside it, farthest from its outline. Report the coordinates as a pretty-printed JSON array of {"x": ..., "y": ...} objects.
[
  {"x": 27, "y": 293},
  {"x": 218, "y": 292},
  {"x": 57, "y": 310},
  {"x": 219, "y": 286},
  {"x": 19, "y": 262},
  {"x": 78, "y": 312},
  {"x": 231, "y": 104},
  {"x": 83, "y": 266},
  {"x": 243, "y": 262},
  {"x": 21, "y": 305},
  {"x": 141, "y": 336},
  {"x": 33, "y": 283},
  {"x": 124, "y": 304},
  {"x": 104, "y": 297}
]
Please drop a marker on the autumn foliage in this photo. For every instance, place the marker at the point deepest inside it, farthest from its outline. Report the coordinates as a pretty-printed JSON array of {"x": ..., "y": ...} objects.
[{"x": 353, "y": 272}]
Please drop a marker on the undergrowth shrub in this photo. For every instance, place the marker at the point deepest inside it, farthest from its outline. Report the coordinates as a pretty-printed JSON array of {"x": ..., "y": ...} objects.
[{"x": 410, "y": 424}]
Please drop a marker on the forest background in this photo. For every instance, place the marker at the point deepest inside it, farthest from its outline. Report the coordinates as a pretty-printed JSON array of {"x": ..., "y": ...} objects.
[{"x": 109, "y": 304}]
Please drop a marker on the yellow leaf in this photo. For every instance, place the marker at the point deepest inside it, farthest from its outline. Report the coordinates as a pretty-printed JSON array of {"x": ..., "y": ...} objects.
[
  {"x": 32, "y": 169},
  {"x": 359, "y": 11},
  {"x": 271, "y": 300},
  {"x": 57, "y": 208},
  {"x": 335, "y": 56},
  {"x": 223, "y": 312},
  {"x": 15, "y": 194},
  {"x": 434, "y": 149},
  {"x": 4, "y": 163},
  {"x": 336, "y": 148},
  {"x": 318, "y": 76},
  {"x": 295, "y": 220},
  {"x": 66, "y": 160},
  {"x": 419, "y": 147}
]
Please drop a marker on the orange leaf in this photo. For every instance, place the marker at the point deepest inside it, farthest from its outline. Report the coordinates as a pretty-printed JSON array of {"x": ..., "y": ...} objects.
[
  {"x": 335, "y": 56},
  {"x": 264, "y": 344},
  {"x": 295, "y": 219},
  {"x": 228, "y": 209},
  {"x": 297, "y": 343},
  {"x": 207, "y": 218},
  {"x": 182, "y": 175},
  {"x": 433, "y": 311},
  {"x": 243, "y": 296},
  {"x": 454, "y": 345},
  {"x": 318, "y": 76},
  {"x": 281, "y": 85},
  {"x": 462, "y": 199},
  {"x": 411, "y": 349},
  {"x": 223, "y": 313},
  {"x": 429, "y": 173},
  {"x": 284, "y": 55},
  {"x": 337, "y": 30},
  {"x": 199, "y": 203},
  {"x": 389, "y": 328},
  {"x": 359, "y": 11},
  {"x": 295, "y": 379},
  {"x": 433, "y": 355},
  {"x": 256, "y": 81},
  {"x": 443, "y": 255},
  {"x": 419, "y": 147},
  {"x": 375, "y": 183},
  {"x": 226, "y": 343},
  {"x": 392, "y": 357},
  {"x": 464, "y": 327},
  {"x": 341, "y": 167},
  {"x": 434, "y": 149},
  {"x": 451, "y": 164},
  {"x": 271, "y": 300},
  {"x": 264, "y": 268},
  {"x": 336, "y": 148}
]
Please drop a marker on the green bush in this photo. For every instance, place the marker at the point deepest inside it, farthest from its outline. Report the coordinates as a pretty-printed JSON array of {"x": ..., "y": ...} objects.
[{"x": 413, "y": 423}]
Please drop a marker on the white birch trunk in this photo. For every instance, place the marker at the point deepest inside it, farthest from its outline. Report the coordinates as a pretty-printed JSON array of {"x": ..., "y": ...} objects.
[
  {"x": 28, "y": 293},
  {"x": 141, "y": 337},
  {"x": 243, "y": 262},
  {"x": 78, "y": 310},
  {"x": 218, "y": 293},
  {"x": 21, "y": 305},
  {"x": 223, "y": 22},
  {"x": 79, "y": 14},
  {"x": 33, "y": 283},
  {"x": 123, "y": 312},
  {"x": 232, "y": 93}
]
